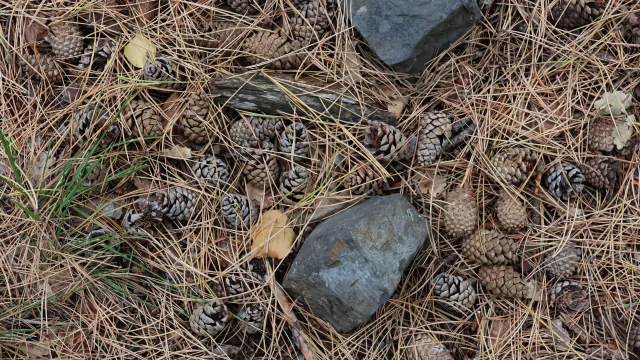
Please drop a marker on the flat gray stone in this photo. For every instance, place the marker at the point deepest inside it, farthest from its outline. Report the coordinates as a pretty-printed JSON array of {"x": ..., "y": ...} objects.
[
  {"x": 406, "y": 34},
  {"x": 352, "y": 263}
]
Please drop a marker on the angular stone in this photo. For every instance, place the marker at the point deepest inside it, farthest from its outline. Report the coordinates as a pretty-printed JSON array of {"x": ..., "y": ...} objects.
[
  {"x": 352, "y": 263},
  {"x": 406, "y": 34}
]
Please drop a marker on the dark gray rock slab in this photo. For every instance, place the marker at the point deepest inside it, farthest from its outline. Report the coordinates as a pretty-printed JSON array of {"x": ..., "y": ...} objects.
[
  {"x": 352, "y": 263},
  {"x": 406, "y": 34}
]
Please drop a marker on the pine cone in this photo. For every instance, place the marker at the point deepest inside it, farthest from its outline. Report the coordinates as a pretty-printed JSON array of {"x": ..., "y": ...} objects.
[
  {"x": 631, "y": 25},
  {"x": 238, "y": 210},
  {"x": 503, "y": 280},
  {"x": 294, "y": 141},
  {"x": 294, "y": 185},
  {"x": 164, "y": 75},
  {"x": 600, "y": 135},
  {"x": 95, "y": 176},
  {"x": 312, "y": 21},
  {"x": 511, "y": 213},
  {"x": 246, "y": 6},
  {"x": 142, "y": 214},
  {"x": 435, "y": 128},
  {"x": 252, "y": 316},
  {"x": 238, "y": 283},
  {"x": 600, "y": 172},
  {"x": 142, "y": 119},
  {"x": 280, "y": 52},
  {"x": 43, "y": 66},
  {"x": 513, "y": 165},
  {"x": 571, "y": 14},
  {"x": 486, "y": 247},
  {"x": 92, "y": 119},
  {"x": 211, "y": 169},
  {"x": 219, "y": 34},
  {"x": 569, "y": 297},
  {"x": 254, "y": 130},
  {"x": 564, "y": 181},
  {"x": 66, "y": 40},
  {"x": 176, "y": 204},
  {"x": 195, "y": 118},
  {"x": 209, "y": 319},
  {"x": 563, "y": 263},
  {"x": 363, "y": 180},
  {"x": 425, "y": 348},
  {"x": 458, "y": 292},
  {"x": 460, "y": 215},
  {"x": 634, "y": 337},
  {"x": 385, "y": 142},
  {"x": 98, "y": 54},
  {"x": 260, "y": 165}
]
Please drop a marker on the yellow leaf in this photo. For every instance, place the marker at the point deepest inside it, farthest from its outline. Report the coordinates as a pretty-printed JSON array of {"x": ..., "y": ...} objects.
[
  {"x": 271, "y": 236},
  {"x": 139, "y": 50}
]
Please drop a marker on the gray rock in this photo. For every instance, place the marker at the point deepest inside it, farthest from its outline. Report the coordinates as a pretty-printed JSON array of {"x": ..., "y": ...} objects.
[
  {"x": 406, "y": 34},
  {"x": 352, "y": 263}
]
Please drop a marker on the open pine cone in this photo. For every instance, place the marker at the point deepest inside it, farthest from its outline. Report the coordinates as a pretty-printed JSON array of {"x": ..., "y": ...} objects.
[
  {"x": 600, "y": 135},
  {"x": 294, "y": 185},
  {"x": 209, "y": 319},
  {"x": 177, "y": 203},
  {"x": 425, "y": 348},
  {"x": 142, "y": 119},
  {"x": 66, "y": 40},
  {"x": 511, "y": 213},
  {"x": 312, "y": 20},
  {"x": 260, "y": 165},
  {"x": 294, "y": 141},
  {"x": 278, "y": 51},
  {"x": 489, "y": 247},
  {"x": 563, "y": 263},
  {"x": 364, "y": 180},
  {"x": 250, "y": 132},
  {"x": 513, "y": 165},
  {"x": 42, "y": 66},
  {"x": 572, "y": 14},
  {"x": 503, "y": 280},
  {"x": 634, "y": 337},
  {"x": 194, "y": 120},
  {"x": 569, "y": 297},
  {"x": 252, "y": 317},
  {"x": 212, "y": 169},
  {"x": 95, "y": 173},
  {"x": 564, "y": 181},
  {"x": 93, "y": 120},
  {"x": 385, "y": 142},
  {"x": 457, "y": 292},
  {"x": 238, "y": 210},
  {"x": 98, "y": 54},
  {"x": 460, "y": 214},
  {"x": 600, "y": 172},
  {"x": 435, "y": 129},
  {"x": 163, "y": 73}
]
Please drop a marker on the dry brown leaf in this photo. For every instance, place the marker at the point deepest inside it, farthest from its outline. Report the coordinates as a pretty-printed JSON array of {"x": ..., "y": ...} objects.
[
  {"x": 271, "y": 236},
  {"x": 352, "y": 63},
  {"x": 171, "y": 106},
  {"x": 142, "y": 183},
  {"x": 139, "y": 50},
  {"x": 330, "y": 205},
  {"x": 178, "y": 152},
  {"x": 36, "y": 350},
  {"x": 430, "y": 182},
  {"x": 261, "y": 195},
  {"x": 35, "y": 32},
  {"x": 396, "y": 103},
  {"x": 40, "y": 167},
  {"x": 58, "y": 283}
]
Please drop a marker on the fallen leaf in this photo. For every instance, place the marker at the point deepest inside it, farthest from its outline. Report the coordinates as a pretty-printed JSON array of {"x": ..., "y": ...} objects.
[
  {"x": 330, "y": 205},
  {"x": 260, "y": 195},
  {"x": 35, "y": 32},
  {"x": 40, "y": 167},
  {"x": 171, "y": 106},
  {"x": 36, "y": 350},
  {"x": 271, "y": 236},
  {"x": 430, "y": 182},
  {"x": 142, "y": 183},
  {"x": 396, "y": 103},
  {"x": 178, "y": 152},
  {"x": 613, "y": 103},
  {"x": 623, "y": 131},
  {"x": 352, "y": 63},
  {"x": 139, "y": 50}
]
